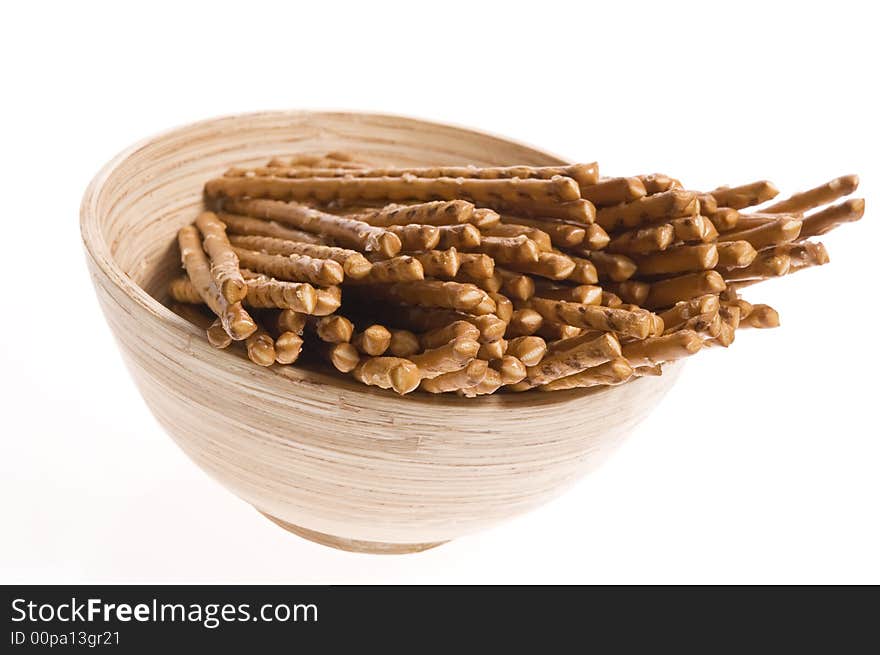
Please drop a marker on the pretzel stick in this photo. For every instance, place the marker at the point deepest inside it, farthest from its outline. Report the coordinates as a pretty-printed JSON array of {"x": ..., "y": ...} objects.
[
  {"x": 614, "y": 267},
  {"x": 334, "y": 329},
  {"x": 746, "y": 195},
  {"x": 434, "y": 293},
  {"x": 630, "y": 291},
  {"x": 465, "y": 378},
  {"x": 709, "y": 325},
  {"x": 766, "y": 265},
  {"x": 404, "y": 343},
  {"x": 648, "y": 371},
  {"x": 648, "y": 210},
  {"x": 562, "y": 235},
  {"x": 343, "y": 356},
  {"x": 439, "y": 212},
  {"x": 323, "y": 189},
  {"x": 761, "y": 316},
  {"x": 463, "y": 237},
  {"x": 524, "y": 322},
  {"x": 725, "y": 219},
  {"x": 325, "y": 272},
  {"x": 493, "y": 350},
  {"x": 681, "y": 312},
  {"x": 247, "y": 225},
  {"x": 510, "y": 250},
  {"x": 476, "y": 265},
  {"x": 489, "y": 385},
  {"x": 613, "y": 191},
  {"x": 348, "y": 232},
  {"x": 765, "y": 236},
  {"x": 658, "y": 183},
  {"x": 288, "y": 320},
  {"x": 261, "y": 293},
  {"x": 563, "y": 363},
  {"x": 552, "y": 331},
  {"x": 730, "y": 317},
  {"x": 224, "y": 264},
  {"x": 236, "y": 321},
  {"x": 635, "y": 323},
  {"x": 529, "y": 350},
  {"x": 353, "y": 263},
  {"x": 552, "y": 265},
  {"x": 829, "y": 218},
  {"x": 642, "y": 241},
  {"x": 423, "y": 319},
  {"x": 373, "y": 341},
  {"x": 693, "y": 228},
  {"x": 516, "y": 285},
  {"x": 586, "y": 294},
  {"x": 666, "y": 293},
  {"x": 447, "y": 358},
  {"x": 758, "y": 219},
  {"x": 217, "y": 335},
  {"x": 596, "y": 238},
  {"x": 735, "y": 254},
  {"x": 442, "y": 264},
  {"x": 404, "y": 268},
  {"x": 614, "y": 372},
  {"x": 541, "y": 238},
  {"x": 443, "y": 335},
  {"x": 510, "y": 368},
  {"x": 288, "y": 347},
  {"x": 584, "y": 271},
  {"x": 803, "y": 255},
  {"x": 261, "y": 348},
  {"x": 328, "y": 301},
  {"x": 491, "y": 284},
  {"x": 682, "y": 259},
  {"x": 667, "y": 348},
  {"x": 503, "y": 306},
  {"x": 395, "y": 373},
  {"x": 415, "y": 238},
  {"x": 576, "y": 211},
  {"x": 816, "y": 197},
  {"x": 709, "y": 206},
  {"x": 610, "y": 299}
]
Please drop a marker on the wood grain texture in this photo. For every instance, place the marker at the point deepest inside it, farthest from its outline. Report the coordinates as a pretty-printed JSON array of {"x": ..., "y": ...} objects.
[{"x": 324, "y": 454}]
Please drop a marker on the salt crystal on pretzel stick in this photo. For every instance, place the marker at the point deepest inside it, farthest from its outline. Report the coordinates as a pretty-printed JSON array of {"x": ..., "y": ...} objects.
[
  {"x": 552, "y": 265},
  {"x": 447, "y": 358},
  {"x": 236, "y": 321},
  {"x": 614, "y": 191},
  {"x": 761, "y": 317},
  {"x": 765, "y": 236},
  {"x": 334, "y": 329},
  {"x": 463, "y": 237},
  {"x": 405, "y": 343},
  {"x": 725, "y": 219},
  {"x": 541, "y": 238},
  {"x": 415, "y": 238},
  {"x": 464, "y": 378},
  {"x": 408, "y": 187},
  {"x": 735, "y": 254},
  {"x": 492, "y": 350},
  {"x": 630, "y": 291},
  {"x": 438, "y": 212},
  {"x": 328, "y": 301},
  {"x": 509, "y": 250},
  {"x": 658, "y": 183},
  {"x": 681, "y": 259},
  {"x": 325, "y": 272},
  {"x": 343, "y": 356},
  {"x": 511, "y": 369},
  {"x": 637, "y": 323},
  {"x": 353, "y": 263},
  {"x": 247, "y": 225},
  {"x": 395, "y": 373},
  {"x": 829, "y": 218},
  {"x": 348, "y": 232},
  {"x": 374, "y": 340},
  {"x": 803, "y": 254},
  {"x": 503, "y": 306},
  {"x": 691, "y": 229},
  {"x": 668, "y": 348},
  {"x": 643, "y": 240},
  {"x": 611, "y": 266},
  {"x": 576, "y": 211},
  {"x": 261, "y": 348},
  {"x": 562, "y": 235},
  {"x": 443, "y": 335},
  {"x": 614, "y": 372},
  {"x": 649, "y": 210},
  {"x": 515, "y": 285},
  {"x": 224, "y": 263},
  {"x": 766, "y": 265},
  {"x": 288, "y": 347},
  {"x": 587, "y": 294},
  {"x": 529, "y": 350},
  {"x": 665, "y": 293},
  {"x": 745, "y": 195},
  {"x": 476, "y": 265},
  {"x": 567, "y": 362},
  {"x": 816, "y": 197},
  {"x": 443, "y": 264},
  {"x": 524, "y": 322}
]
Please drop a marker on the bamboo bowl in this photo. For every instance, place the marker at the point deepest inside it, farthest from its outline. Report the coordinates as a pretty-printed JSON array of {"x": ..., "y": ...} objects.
[{"x": 321, "y": 455}]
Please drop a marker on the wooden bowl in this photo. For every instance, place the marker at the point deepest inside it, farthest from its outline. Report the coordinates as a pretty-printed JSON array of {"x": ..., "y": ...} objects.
[{"x": 322, "y": 455}]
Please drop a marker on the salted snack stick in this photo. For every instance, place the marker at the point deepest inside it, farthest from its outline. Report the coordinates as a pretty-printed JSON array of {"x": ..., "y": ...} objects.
[
  {"x": 476, "y": 265},
  {"x": 374, "y": 340},
  {"x": 408, "y": 187},
  {"x": 562, "y": 363},
  {"x": 262, "y": 292},
  {"x": 236, "y": 321},
  {"x": 403, "y": 268},
  {"x": 552, "y": 331},
  {"x": 423, "y": 319},
  {"x": 334, "y": 329},
  {"x": 503, "y": 306},
  {"x": 353, "y": 263},
  {"x": 328, "y": 300},
  {"x": 217, "y": 335},
  {"x": 678, "y": 314},
  {"x": 577, "y": 211},
  {"x": 288, "y": 320},
  {"x": 829, "y": 218},
  {"x": 708, "y": 325},
  {"x": 690, "y": 229},
  {"x": 635, "y": 323},
  {"x": 529, "y": 350},
  {"x": 551, "y": 265},
  {"x": 491, "y": 284},
  {"x": 524, "y": 322},
  {"x": 463, "y": 237},
  {"x": 447, "y": 358},
  {"x": 464, "y": 378},
  {"x": 610, "y": 299},
  {"x": 764, "y": 236},
  {"x": 492, "y": 350},
  {"x": 490, "y": 383},
  {"x": 288, "y": 347},
  {"x": 803, "y": 254},
  {"x": 735, "y": 254},
  {"x": 484, "y": 218},
  {"x": 616, "y": 371},
  {"x": 443, "y": 264},
  {"x": 541, "y": 238},
  {"x": 667, "y": 348},
  {"x": 745, "y": 195},
  {"x": 634, "y": 292},
  {"x": 611, "y": 266},
  {"x": 642, "y": 241},
  {"x": 588, "y": 294},
  {"x": 681, "y": 259},
  {"x": 248, "y": 225},
  {"x": 511, "y": 369},
  {"x": 761, "y": 317},
  {"x": 596, "y": 237},
  {"x": 515, "y": 285},
  {"x": 261, "y": 348},
  {"x": 224, "y": 264},
  {"x": 438, "y": 212},
  {"x": 405, "y": 343},
  {"x": 649, "y": 210},
  {"x": 343, "y": 356},
  {"x": 658, "y": 182},
  {"x": 665, "y": 293},
  {"x": 395, "y": 373},
  {"x": 510, "y": 250},
  {"x": 348, "y": 232},
  {"x": 614, "y": 191},
  {"x": 708, "y": 204},
  {"x": 766, "y": 265},
  {"x": 415, "y": 238},
  {"x": 724, "y": 219},
  {"x": 816, "y": 197},
  {"x": 443, "y": 335},
  {"x": 584, "y": 271},
  {"x": 562, "y": 234},
  {"x": 436, "y": 293},
  {"x": 302, "y": 268}
]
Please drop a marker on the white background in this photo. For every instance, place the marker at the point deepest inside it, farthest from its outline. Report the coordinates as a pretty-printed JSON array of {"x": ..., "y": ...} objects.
[{"x": 760, "y": 466}]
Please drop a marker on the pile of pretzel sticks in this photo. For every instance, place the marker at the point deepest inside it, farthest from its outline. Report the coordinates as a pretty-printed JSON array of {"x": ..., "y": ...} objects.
[{"x": 470, "y": 280}]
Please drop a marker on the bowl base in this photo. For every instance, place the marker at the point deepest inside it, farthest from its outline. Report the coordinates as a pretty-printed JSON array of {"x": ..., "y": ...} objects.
[{"x": 352, "y": 545}]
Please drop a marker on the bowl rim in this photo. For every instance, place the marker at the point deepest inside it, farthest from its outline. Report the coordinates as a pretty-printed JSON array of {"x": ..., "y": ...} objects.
[{"x": 98, "y": 251}]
